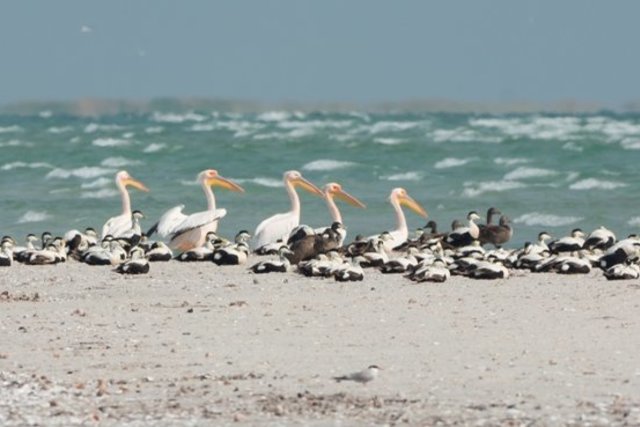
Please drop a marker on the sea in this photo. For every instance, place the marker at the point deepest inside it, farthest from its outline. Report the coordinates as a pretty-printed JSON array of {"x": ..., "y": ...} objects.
[{"x": 546, "y": 172}]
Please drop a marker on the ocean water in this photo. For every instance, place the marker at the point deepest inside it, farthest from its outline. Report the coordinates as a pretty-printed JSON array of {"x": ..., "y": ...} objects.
[{"x": 546, "y": 172}]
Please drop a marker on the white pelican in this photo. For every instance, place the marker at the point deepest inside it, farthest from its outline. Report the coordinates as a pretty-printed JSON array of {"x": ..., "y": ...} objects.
[
  {"x": 398, "y": 198},
  {"x": 118, "y": 225},
  {"x": 334, "y": 190},
  {"x": 279, "y": 226},
  {"x": 190, "y": 231}
]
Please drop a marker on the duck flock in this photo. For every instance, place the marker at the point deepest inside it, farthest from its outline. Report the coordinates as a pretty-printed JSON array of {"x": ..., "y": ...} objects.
[{"x": 474, "y": 249}]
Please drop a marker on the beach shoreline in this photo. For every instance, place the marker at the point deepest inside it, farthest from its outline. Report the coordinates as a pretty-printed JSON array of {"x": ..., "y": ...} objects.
[{"x": 197, "y": 344}]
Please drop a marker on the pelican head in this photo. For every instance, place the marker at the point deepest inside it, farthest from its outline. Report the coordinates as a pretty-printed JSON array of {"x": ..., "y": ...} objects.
[
  {"x": 333, "y": 189},
  {"x": 400, "y": 196},
  {"x": 124, "y": 179},
  {"x": 211, "y": 178},
  {"x": 295, "y": 178}
]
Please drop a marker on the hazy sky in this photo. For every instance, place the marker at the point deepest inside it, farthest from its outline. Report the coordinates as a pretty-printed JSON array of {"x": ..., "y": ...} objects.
[{"x": 326, "y": 50}]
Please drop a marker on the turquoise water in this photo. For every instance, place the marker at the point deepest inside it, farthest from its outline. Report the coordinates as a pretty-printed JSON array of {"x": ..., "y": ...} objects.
[{"x": 546, "y": 172}]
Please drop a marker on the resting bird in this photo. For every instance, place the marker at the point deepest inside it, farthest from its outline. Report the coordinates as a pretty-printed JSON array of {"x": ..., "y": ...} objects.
[
  {"x": 190, "y": 231},
  {"x": 278, "y": 227},
  {"x": 118, "y": 225}
]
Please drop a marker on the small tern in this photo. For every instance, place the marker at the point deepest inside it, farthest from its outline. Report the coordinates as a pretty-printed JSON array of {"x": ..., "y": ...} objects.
[{"x": 361, "y": 377}]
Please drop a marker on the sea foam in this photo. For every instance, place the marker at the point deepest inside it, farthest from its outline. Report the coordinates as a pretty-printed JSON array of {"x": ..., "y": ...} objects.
[
  {"x": 18, "y": 165},
  {"x": 264, "y": 182},
  {"x": 405, "y": 176},
  {"x": 326, "y": 165},
  {"x": 546, "y": 220},
  {"x": 118, "y": 162},
  {"x": 474, "y": 189},
  {"x": 84, "y": 172},
  {"x": 451, "y": 162},
  {"x": 596, "y": 184},
  {"x": 103, "y": 193},
  {"x": 33, "y": 216},
  {"x": 10, "y": 129},
  {"x": 526, "y": 172},
  {"x": 154, "y": 147},
  {"x": 110, "y": 142}
]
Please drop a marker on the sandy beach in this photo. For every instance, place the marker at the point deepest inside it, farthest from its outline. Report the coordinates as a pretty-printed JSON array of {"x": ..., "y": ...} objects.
[{"x": 196, "y": 344}]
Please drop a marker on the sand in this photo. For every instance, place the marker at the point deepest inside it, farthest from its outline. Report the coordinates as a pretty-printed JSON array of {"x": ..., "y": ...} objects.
[{"x": 196, "y": 344}]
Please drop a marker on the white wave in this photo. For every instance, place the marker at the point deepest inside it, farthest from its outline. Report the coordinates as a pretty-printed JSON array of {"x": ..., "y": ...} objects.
[
  {"x": 202, "y": 127},
  {"x": 190, "y": 183},
  {"x": 315, "y": 124},
  {"x": 154, "y": 147},
  {"x": 59, "y": 129},
  {"x": 451, "y": 162},
  {"x": 128, "y": 135},
  {"x": 17, "y": 165},
  {"x": 265, "y": 182},
  {"x": 104, "y": 193},
  {"x": 462, "y": 135},
  {"x": 84, "y": 172},
  {"x": 110, "y": 142},
  {"x": 300, "y": 133},
  {"x": 572, "y": 175},
  {"x": 596, "y": 184},
  {"x": 177, "y": 118},
  {"x": 10, "y": 129},
  {"x": 572, "y": 146},
  {"x": 45, "y": 114},
  {"x": 406, "y": 176},
  {"x": 388, "y": 141},
  {"x": 546, "y": 220},
  {"x": 387, "y": 126},
  {"x": 100, "y": 182},
  {"x": 524, "y": 172},
  {"x": 561, "y": 128},
  {"x": 614, "y": 129},
  {"x": 630, "y": 143},
  {"x": 475, "y": 189},
  {"x": 95, "y": 127},
  {"x": 326, "y": 165},
  {"x": 634, "y": 222},
  {"x": 33, "y": 216},
  {"x": 16, "y": 143},
  {"x": 510, "y": 161},
  {"x": 154, "y": 129},
  {"x": 274, "y": 116},
  {"x": 118, "y": 162}
]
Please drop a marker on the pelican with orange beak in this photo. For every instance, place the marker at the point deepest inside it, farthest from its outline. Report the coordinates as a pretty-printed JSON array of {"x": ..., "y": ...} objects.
[
  {"x": 333, "y": 191},
  {"x": 187, "y": 232},
  {"x": 278, "y": 227},
  {"x": 398, "y": 198},
  {"x": 118, "y": 225}
]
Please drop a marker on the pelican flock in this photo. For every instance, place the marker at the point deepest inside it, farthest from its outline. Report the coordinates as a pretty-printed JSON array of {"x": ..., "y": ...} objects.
[{"x": 428, "y": 256}]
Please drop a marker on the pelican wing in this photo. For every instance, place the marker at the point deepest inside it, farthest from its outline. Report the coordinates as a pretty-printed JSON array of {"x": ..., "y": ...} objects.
[
  {"x": 277, "y": 227},
  {"x": 168, "y": 222},
  {"x": 198, "y": 220},
  {"x": 117, "y": 226}
]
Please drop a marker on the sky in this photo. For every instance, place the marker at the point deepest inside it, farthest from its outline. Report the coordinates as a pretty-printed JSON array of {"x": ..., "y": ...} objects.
[{"x": 322, "y": 51}]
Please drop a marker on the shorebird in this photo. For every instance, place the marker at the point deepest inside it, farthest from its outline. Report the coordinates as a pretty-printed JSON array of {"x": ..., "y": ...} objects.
[{"x": 361, "y": 377}]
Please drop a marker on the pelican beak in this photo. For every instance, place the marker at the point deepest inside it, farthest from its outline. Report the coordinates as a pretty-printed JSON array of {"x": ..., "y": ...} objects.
[
  {"x": 224, "y": 183},
  {"x": 344, "y": 196},
  {"x": 307, "y": 186},
  {"x": 135, "y": 183},
  {"x": 413, "y": 205}
]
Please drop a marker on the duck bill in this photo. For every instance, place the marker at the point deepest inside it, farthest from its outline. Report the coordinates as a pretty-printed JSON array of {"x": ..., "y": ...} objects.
[
  {"x": 346, "y": 197},
  {"x": 225, "y": 183},
  {"x": 413, "y": 205},
  {"x": 303, "y": 183},
  {"x": 136, "y": 184}
]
